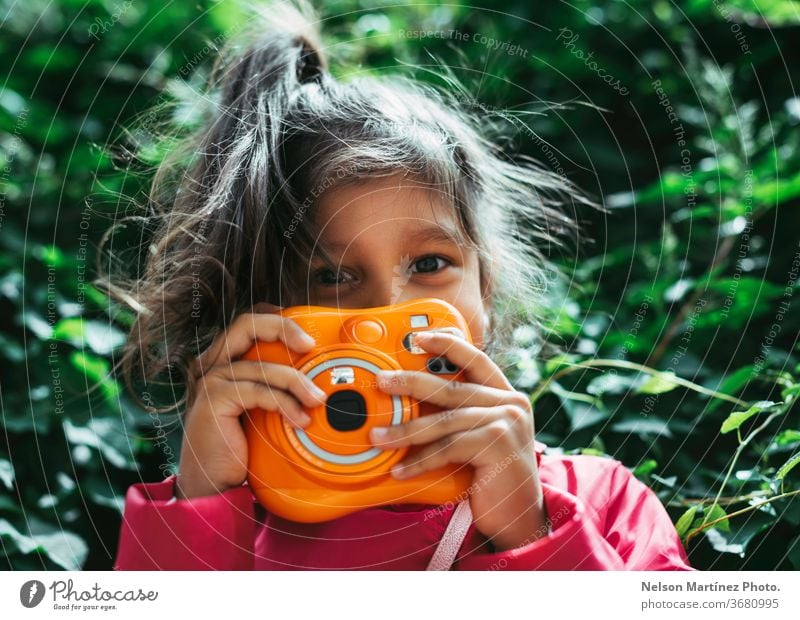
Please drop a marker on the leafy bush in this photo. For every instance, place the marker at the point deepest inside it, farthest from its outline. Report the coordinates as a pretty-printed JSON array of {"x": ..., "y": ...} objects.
[{"x": 678, "y": 324}]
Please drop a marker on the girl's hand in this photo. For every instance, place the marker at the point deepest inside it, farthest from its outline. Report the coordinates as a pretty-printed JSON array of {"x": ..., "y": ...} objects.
[
  {"x": 484, "y": 423},
  {"x": 214, "y": 450}
]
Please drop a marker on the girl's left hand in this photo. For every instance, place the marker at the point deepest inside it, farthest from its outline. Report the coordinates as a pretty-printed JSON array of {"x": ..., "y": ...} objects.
[{"x": 484, "y": 422}]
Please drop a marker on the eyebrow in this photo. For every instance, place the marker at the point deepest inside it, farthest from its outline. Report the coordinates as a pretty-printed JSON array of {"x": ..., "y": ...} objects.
[{"x": 429, "y": 234}]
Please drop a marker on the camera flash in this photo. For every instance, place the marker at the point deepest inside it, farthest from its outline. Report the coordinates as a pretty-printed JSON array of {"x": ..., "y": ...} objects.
[
  {"x": 342, "y": 374},
  {"x": 419, "y": 320}
]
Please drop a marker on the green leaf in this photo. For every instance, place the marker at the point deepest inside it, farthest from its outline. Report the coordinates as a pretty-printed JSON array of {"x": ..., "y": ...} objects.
[
  {"x": 582, "y": 415},
  {"x": 49, "y": 255},
  {"x": 678, "y": 291},
  {"x": 106, "y": 435},
  {"x": 717, "y": 512},
  {"x": 787, "y": 437},
  {"x": 612, "y": 383},
  {"x": 7, "y": 474},
  {"x": 731, "y": 384},
  {"x": 645, "y": 468},
  {"x": 64, "y": 548},
  {"x": 790, "y": 391},
  {"x": 683, "y": 523},
  {"x": 741, "y": 532},
  {"x": 643, "y": 426},
  {"x": 97, "y": 370},
  {"x": 102, "y": 338},
  {"x": 787, "y": 467},
  {"x": 737, "y": 418},
  {"x": 554, "y": 364},
  {"x": 658, "y": 383}
]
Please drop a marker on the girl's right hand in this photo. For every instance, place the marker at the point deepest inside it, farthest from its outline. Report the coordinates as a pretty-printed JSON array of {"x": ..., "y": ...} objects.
[{"x": 214, "y": 449}]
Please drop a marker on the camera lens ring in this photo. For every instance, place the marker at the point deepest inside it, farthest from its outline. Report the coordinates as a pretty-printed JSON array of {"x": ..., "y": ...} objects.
[{"x": 347, "y": 459}]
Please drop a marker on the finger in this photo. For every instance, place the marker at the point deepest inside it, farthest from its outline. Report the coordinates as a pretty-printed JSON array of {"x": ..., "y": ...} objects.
[
  {"x": 457, "y": 448},
  {"x": 278, "y": 376},
  {"x": 448, "y": 394},
  {"x": 477, "y": 365},
  {"x": 429, "y": 428},
  {"x": 265, "y": 307},
  {"x": 246, "y": 329},
  {"x": 254, "y": 395}
]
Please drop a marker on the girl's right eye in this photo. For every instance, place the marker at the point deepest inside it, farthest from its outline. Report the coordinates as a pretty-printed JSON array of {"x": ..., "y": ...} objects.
[{"x": 328, "y": 277}]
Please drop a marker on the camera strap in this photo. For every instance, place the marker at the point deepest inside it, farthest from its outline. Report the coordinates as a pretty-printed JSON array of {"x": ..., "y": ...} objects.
[{"x": 452, "y": 539}]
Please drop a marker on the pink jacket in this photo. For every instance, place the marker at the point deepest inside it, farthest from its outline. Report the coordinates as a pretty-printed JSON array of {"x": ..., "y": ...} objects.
[{"x": 602, "y": 518}]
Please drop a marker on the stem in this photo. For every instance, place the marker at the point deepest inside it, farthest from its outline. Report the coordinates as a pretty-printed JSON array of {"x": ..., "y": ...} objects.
[
  {"x": 634, "y": 366},
  {"x": 705, "y": 526},
  {"x": 723, "y": 501},
  {"x": 739, "y": 449}
]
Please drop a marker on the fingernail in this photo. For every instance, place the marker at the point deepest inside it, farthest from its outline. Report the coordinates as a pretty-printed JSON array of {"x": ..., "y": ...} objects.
[
  {"x": 398, "y": 471},
  {"x": 309, "y": 339},
  {"x": 380, "y": 433},
  {"x": 303, "y": 420},
  {"x": 317, "y": 391},
  {"x": 383, "y": 378}
]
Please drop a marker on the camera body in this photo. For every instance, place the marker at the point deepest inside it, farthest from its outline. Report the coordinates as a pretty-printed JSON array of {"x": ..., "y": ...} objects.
[{"x": 330, "y": 468}]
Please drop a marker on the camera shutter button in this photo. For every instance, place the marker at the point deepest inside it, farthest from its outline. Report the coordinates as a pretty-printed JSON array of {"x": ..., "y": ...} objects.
[{"x": 367, "y": 331}]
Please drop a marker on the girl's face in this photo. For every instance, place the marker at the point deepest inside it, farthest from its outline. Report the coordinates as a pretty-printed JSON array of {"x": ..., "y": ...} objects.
[{"x": 393, "y": 241}]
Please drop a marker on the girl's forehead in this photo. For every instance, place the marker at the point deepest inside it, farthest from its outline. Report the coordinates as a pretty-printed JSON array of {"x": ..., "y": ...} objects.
[{"x": 387, "y": 204}]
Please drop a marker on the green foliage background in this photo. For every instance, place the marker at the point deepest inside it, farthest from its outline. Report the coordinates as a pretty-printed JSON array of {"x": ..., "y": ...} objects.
[{"x": 680, "y": 329}]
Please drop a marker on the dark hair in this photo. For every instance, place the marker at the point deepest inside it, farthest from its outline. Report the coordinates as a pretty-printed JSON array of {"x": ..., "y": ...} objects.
[{"x": 227, "y": 206}]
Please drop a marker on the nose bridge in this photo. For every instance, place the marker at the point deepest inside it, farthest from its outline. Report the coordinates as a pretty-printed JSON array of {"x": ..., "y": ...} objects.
[{"x": 389, "y": 282}]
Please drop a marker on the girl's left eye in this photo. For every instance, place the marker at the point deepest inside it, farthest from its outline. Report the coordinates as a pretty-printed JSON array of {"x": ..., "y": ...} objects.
[{"x": 429, "y": 264}]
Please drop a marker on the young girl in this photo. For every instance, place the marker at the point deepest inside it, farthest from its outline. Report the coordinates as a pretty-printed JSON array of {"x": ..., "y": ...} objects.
[{"x": 301, "y": 188}]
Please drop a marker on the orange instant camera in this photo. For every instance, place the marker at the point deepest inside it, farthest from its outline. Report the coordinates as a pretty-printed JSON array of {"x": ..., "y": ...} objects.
[{"x": 330, "y": 468}]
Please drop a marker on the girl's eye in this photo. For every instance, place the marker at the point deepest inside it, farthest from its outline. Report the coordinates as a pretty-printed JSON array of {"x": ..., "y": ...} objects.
[
  {"x": 328, "y": 277},
  {"x": 429, "y": 264}
]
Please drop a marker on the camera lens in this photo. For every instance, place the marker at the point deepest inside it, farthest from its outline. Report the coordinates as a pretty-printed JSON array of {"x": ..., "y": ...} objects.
[
  {"x": 435, "y": 365},
  {"x": 346, "y": 410}
]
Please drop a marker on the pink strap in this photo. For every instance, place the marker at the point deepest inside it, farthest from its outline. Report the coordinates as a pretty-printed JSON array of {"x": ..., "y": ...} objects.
[{"x": 452, "y": 539}]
